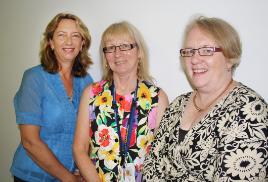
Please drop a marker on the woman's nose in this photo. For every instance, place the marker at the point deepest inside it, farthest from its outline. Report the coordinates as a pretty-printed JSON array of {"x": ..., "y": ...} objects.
[
  {"x": 196, "y": 58},
  {"x": 68, "y": 39},
  {"x": 117, "y": 51}
]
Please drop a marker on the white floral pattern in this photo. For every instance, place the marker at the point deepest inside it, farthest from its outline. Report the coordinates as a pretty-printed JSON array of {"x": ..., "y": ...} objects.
[
  {"x": 229, "y": 144},
  {"x": 243, "y": 163}
]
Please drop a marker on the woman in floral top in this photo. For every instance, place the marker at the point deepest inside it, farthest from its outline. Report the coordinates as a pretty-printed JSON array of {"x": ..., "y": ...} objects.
[
  {"x": 219, "y": 131},
  {"x": 118, "y": 115}
]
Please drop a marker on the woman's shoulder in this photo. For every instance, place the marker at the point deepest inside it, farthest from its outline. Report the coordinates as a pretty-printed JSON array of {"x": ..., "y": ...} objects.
[
  {"x": 35, "y": 70},
  {"x": 148, "y": 83},
  {"x": 244, "y": 93},
  {"x": 33, "y": 74},
  {"x": 85, "y": 80},
  {"x": 99, "y": 84},
  {"x": 179, "y": 99},
  {"x": 154, "y": 89},
  {"x": 87, "y": 77},
  {"x": 248, "y": 102},
  {"x": 178, "y": 103},
  {"x": 97, "y": 87}
]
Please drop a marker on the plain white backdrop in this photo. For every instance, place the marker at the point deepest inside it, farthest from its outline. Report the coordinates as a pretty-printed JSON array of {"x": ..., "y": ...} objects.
[{"x": 160, "y": 22}]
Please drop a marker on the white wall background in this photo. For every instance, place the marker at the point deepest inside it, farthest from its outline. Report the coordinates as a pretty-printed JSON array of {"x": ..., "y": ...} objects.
[{"x": 161, "y": 23}]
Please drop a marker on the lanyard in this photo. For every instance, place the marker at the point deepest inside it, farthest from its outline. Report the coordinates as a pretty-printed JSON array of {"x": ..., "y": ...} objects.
[{"x": 124, "y": 145}]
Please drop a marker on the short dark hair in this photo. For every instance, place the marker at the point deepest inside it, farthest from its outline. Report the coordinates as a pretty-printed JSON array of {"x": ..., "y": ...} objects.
[{"x": 47, "y": 56}]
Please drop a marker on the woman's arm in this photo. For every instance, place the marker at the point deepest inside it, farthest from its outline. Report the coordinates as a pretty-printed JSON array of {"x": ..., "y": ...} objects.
[
  {"x": 82, "y": 140},
  {"x": 41, "y": 154},
  {"x": 244, "y": 149},
  {"x": 28, "y": 107},
  {"x": 162, "y": 105}
]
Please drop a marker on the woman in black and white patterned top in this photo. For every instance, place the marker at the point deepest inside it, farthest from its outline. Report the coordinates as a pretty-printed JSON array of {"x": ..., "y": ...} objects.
[{"x": 219, "y": 131}]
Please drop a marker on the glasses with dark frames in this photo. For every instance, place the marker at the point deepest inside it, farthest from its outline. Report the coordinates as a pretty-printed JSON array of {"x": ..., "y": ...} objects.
[
  {"x": 122, "y": 47},
  {"x": 202, "y": 51}
]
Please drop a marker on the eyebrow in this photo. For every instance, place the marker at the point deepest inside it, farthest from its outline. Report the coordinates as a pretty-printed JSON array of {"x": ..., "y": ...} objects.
[
  {"x": 206, "y": 45},
  {"x": 61, "y": 31}
]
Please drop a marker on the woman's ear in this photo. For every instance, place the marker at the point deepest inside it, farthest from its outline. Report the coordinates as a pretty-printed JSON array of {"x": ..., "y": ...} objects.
[
  {"x": 51, "y": 43},
  {"x": 229, "y": 64},
  {"x": 81, "y": 48}
]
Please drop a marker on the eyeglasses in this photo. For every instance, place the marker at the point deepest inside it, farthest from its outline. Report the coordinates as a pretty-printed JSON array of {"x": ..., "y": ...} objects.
[
  {"x": 122, "y": 47},
  {"x": 202, "y": 51}
]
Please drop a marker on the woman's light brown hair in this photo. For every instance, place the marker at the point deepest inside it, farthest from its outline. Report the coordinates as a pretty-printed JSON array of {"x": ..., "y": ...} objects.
[{"x": 47, "y": 56}]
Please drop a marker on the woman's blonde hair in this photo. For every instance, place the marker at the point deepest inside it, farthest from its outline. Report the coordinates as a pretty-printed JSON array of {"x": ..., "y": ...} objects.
[
  {"x": 125, "y": 29},
  {"x": 223, "y": 34}
]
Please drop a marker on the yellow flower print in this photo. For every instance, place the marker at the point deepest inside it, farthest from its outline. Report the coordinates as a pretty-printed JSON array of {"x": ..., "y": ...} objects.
[
  {"x": 104, "y": 99},
  {"x": 144, "y": 97},
  {"x": 144, "y": 143},
  {"x": 104, "y": 177},
  {"x": 110, "y": 156}
]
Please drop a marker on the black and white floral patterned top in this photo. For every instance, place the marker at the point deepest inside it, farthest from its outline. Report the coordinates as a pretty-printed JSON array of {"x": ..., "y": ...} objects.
[{"x": 229, "y": 144}]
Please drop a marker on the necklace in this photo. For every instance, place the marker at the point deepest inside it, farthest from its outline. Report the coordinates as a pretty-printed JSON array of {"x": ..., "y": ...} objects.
[{"x": 202, "y": 109}]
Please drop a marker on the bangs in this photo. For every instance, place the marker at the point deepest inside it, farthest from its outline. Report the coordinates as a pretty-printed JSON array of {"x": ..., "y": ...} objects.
[{"x": 118, "y": 31}]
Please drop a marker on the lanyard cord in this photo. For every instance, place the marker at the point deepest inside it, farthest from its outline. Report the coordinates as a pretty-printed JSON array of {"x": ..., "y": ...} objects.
[{"x": 124, "y": 145}]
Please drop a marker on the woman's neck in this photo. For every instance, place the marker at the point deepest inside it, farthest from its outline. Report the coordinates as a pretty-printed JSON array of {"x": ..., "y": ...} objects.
[
  {"x": 125, "y": 84},
  {"x": 67, "y": 79},
  {"x": 203, "y": 100},
  {"x": 65, "y": 69}
]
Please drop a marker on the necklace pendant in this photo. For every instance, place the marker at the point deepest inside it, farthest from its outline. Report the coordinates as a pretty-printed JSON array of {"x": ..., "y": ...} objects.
[{"x": 213, "y": 101}]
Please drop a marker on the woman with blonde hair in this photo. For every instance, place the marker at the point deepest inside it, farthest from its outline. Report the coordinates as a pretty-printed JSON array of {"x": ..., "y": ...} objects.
[
  {"x": 119, "y": 114},
  {"x": 218, "y": 131}
]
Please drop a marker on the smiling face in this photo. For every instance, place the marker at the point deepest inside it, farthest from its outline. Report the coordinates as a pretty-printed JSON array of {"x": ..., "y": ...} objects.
[
  {"x": 122, "y": 63},
  {"x": 66, "y": 42},
  {"x": 205, "y": 72}
]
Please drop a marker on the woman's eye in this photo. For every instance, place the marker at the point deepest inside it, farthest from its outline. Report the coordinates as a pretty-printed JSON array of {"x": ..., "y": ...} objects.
[
  {"x": 61, "y": 35},
  {"x": 76, "y": 36}
]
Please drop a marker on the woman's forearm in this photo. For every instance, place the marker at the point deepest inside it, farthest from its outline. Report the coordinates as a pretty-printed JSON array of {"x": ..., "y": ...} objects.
[
  {"x": 44, "y": 157},
  {"x": 86, "y": 167}
]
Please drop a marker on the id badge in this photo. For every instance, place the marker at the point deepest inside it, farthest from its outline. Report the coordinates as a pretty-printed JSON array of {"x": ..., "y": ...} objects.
[
  {"x": 127, "y": 173},
  {"x": 120, "y": 174}
]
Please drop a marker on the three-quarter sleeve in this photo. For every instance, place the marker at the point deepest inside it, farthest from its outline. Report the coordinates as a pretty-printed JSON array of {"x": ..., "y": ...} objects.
[
  {"x": 28, "y": 99},
  {"x": 243, "y": 151}
]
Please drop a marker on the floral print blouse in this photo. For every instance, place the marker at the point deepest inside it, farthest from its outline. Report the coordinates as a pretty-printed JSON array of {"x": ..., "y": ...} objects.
[
  {"x": 229, "y": 144},
  {"x": 103, "y": 132}
]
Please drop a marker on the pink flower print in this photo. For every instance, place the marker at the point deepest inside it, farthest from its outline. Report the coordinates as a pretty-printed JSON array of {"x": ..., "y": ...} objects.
[
  {"x": 152, "y": 118},
  {"x": 97, "y": 87}
]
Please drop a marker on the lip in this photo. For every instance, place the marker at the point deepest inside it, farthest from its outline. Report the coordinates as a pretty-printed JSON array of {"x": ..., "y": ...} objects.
[
  {"x": 68, "y": 50},
  {"x": 119, "y": 62},
  {"x": 199, "y": 71}
]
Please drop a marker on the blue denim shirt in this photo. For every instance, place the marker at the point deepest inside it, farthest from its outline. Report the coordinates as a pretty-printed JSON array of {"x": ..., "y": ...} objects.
[{"x": 42, "y": 100}]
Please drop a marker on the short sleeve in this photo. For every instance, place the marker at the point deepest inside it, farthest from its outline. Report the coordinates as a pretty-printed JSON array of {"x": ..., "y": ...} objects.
[
  {"x": 86, "y": 81},
  {"x": 28, "y": 99}
]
